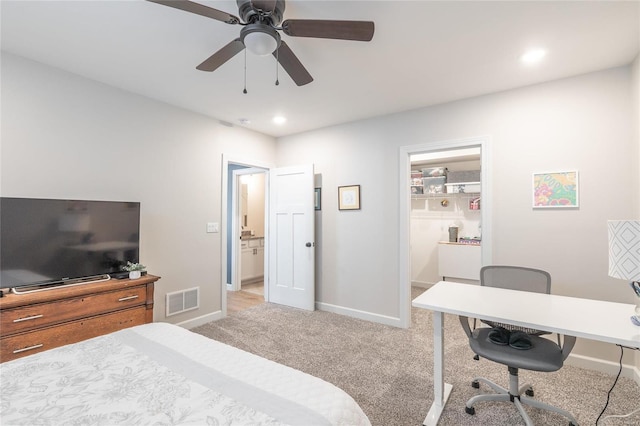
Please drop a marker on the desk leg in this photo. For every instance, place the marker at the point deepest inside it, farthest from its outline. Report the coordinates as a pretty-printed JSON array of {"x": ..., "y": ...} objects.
[{"x": 441, "y": 390}]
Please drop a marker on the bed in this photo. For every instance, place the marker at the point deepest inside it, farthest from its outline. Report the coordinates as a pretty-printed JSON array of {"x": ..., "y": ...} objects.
[{"x": 163, "y": 374}]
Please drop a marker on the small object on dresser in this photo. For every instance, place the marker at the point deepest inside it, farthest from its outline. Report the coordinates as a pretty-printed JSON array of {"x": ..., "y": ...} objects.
[{"x": 135, "y": 269}]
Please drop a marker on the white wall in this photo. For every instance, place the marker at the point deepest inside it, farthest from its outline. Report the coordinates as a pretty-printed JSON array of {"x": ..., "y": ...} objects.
[
  {"x": 64, "y": 136},
  {"x": 255, "y": 203},
  {"x": 581, "y": 123}
]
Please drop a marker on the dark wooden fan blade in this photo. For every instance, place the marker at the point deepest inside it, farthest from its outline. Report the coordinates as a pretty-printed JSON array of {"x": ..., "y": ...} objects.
[
  {"x": 221, "y": 56},
  {"x": 199, "y": 9},
  {"x": 342, "y": 30},
  {"x": 292, "y": 65},
  {"x": 264, "y": 5}
]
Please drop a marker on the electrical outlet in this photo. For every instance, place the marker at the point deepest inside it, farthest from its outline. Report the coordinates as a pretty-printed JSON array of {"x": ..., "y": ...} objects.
[{"x": 213, "y": 227}]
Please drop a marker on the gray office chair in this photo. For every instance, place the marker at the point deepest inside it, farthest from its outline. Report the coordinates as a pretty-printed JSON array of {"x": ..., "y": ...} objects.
[{"x": 544, "y": 354}]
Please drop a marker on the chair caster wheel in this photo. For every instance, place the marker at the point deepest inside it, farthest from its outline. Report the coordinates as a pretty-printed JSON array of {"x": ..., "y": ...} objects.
[
  {"x": 476, "y": 357},
  {"x": 529, "y": 392},
  {"x": 572, "y": 424},
  {"x": 470, "y": 410},
  {"x": 475, "y": 384}
]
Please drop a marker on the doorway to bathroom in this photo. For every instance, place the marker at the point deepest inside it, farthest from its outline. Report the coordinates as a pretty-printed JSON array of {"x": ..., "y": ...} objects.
[{"x": 247, "y": 228}]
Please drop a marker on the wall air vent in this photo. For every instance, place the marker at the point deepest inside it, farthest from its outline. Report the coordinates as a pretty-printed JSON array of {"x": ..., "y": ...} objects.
[{"x": 183, "y": 301}]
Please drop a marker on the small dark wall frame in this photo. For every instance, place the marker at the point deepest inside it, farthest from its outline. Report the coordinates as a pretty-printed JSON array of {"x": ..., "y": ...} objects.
[
  {"x": 318, "y": 199},
  {"x": 349, "y": 197}
]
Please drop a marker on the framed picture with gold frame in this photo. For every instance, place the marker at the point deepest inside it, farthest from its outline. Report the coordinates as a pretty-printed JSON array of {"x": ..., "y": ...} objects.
[{"x": 349, "y": 197}]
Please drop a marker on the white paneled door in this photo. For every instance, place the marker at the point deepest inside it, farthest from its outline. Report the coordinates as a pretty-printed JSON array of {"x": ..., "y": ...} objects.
[{"x": 292, "y": 243}]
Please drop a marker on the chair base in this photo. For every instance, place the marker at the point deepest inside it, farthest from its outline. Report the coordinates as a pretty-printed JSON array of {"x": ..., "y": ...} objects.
[{"x": 515, "y": 394}]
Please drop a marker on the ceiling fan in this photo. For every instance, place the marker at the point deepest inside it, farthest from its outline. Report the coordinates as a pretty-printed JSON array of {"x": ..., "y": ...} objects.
[{"x": 260, "y": 20}]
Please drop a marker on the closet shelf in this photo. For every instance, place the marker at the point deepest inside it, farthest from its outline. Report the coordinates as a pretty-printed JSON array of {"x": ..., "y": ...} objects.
[{"x": 445, "y": 195}]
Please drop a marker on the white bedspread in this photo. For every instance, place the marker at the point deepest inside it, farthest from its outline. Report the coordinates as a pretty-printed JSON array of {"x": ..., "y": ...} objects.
[{"x": 164, "y": 375}]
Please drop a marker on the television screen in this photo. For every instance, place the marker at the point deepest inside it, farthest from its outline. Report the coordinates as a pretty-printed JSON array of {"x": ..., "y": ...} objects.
[{"x": 45, "y": 241}]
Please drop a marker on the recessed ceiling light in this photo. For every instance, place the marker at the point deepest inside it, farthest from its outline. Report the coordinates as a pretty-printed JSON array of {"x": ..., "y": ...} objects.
[
  {"x": 278, "y": 119},
  {"x": 533, "y": 56}
]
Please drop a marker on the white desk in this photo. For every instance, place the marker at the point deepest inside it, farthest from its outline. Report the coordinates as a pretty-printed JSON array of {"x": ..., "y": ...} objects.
[{"x": 589, "y": 319}]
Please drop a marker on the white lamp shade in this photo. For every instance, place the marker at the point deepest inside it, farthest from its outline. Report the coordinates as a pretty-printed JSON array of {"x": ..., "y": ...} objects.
[
  {"x": 624, "y": 249},
  {"x": 260, "y": 43}
]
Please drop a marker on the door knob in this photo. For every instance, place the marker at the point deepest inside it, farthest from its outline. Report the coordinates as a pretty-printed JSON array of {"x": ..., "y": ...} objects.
[{"x": 308, "y": 244}]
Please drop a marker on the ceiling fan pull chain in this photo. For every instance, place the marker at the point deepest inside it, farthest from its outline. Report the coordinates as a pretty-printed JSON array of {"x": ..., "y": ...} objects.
[
  {"x": 277, "y": 62},
  {"x": 245, "y": 72}
]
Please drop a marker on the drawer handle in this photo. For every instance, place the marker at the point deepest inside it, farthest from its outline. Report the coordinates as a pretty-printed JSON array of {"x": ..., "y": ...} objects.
[
  {"x": 28, "y": 318},
  {"x": 17, "y": 351},
  {"x": 123, "y": 299}
]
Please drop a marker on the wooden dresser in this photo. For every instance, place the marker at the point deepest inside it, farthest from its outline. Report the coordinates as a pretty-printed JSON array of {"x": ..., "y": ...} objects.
[{"x": 34, "y": 322}]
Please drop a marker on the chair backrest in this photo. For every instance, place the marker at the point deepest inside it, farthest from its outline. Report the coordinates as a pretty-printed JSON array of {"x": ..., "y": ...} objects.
[{"x": 516, "y": 278}]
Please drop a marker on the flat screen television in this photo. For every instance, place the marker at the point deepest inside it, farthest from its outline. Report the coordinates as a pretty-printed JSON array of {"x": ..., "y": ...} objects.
[{"x": 46, "y": 241}]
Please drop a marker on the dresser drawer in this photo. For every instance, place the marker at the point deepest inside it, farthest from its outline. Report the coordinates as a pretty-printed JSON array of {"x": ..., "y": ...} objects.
[
  {"x": 31, "y": 342},
  {"x": 39, "y": 315}
]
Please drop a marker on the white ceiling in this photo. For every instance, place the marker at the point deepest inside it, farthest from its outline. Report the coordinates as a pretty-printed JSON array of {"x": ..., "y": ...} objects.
[{"x": 423, "y": 53}]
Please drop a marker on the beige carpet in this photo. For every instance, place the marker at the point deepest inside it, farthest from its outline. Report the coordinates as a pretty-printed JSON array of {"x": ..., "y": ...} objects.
[{"x": 388, "y": 370}]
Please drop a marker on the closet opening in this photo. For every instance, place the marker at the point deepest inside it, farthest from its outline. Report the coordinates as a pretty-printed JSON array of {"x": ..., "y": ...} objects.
[
  {"x": 446, "y": 203},
  {"x": 445, "y": 216}
]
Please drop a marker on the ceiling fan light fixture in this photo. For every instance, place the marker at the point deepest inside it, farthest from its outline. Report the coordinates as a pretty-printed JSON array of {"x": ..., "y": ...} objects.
[
  {"x": 260, "y": 43},
  {"x": 260, "y": 39}
]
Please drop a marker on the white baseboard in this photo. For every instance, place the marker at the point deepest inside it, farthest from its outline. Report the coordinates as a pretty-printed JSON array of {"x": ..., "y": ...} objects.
[
  {"x": 198, "y": 321},
  {"x": 355, "y": 313},
  {"x": 603, "y": 366}
]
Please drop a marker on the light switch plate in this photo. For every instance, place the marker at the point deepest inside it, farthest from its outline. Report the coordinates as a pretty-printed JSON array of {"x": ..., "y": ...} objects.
[{"x": 212, "y": 227}]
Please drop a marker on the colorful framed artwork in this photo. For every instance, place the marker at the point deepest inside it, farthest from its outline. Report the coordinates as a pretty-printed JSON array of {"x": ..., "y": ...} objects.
[
  {"x": 555, "y": 189},
  {"x": 349, "y": 197}
]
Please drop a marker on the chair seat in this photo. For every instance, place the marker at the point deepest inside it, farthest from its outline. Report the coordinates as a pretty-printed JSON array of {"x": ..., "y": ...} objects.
[{"x": 544, "y": 355}]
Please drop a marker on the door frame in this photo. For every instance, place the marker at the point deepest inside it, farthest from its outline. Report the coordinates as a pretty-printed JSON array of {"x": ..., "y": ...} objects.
[
  {"x": 224, "y": 235},
  {"x": 404, "y": 249},
  {"x": 236, "y": 264}
]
